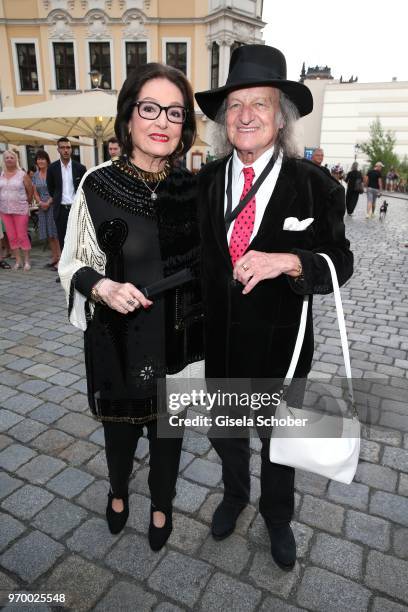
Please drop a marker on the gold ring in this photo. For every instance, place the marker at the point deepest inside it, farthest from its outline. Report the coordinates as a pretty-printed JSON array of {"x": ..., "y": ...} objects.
[{"x": 245, "y": 267}]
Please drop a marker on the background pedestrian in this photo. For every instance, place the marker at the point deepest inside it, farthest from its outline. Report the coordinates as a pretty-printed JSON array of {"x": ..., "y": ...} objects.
[
  {"x": 46, "y": 223},
  {"x": 355, "y": 186},
  {"x": 16, "y": 191}
]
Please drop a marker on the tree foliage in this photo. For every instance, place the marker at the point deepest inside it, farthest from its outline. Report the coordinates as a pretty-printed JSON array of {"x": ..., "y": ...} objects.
[
  {"x": 403, "y": 168},
  {"x": 380, "y": 147}
]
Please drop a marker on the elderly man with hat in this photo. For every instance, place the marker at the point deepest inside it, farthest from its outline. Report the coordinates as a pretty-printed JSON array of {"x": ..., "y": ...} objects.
[{"x": 265, "y": 214}]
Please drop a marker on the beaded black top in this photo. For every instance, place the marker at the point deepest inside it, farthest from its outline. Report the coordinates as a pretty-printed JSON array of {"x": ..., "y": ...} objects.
[{"x": 120, "y": 185}]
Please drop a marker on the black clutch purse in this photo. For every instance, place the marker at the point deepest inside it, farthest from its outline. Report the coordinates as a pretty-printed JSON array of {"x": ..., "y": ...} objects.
[{"x": 169, "y": 282}]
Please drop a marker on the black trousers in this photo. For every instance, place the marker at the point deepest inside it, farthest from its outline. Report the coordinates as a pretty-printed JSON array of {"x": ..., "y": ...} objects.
[
  {"x": 277, "y": 500},
  {"x": 61, "y": 223},
  {"x": 276, "y": 503},
  {"x": 120, "y": 445},
  {"x": 351, "y": 201}
]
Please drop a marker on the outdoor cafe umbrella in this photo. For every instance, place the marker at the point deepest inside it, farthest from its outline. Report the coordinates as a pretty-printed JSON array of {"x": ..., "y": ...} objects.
[
  {"x": 199, "y": 142},
  {"x": 90, "y": 114},
  {"x": 18, "y": 136}
]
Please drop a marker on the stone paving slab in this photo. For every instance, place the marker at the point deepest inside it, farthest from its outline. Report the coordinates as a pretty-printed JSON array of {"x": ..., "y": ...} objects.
[
  {"x": 327, "y": 592},
  {"x": 181, "y": 578},
  {"x": 14, "y": 456},
  {"x": 59, "y": 517},
  {"x": 387, "y": 574},
  {"x": 70, "y": 482},
  {"x": 10, "y": 530},
  {"x": 226, "y": 593},
  {"x": 31, "y": 556},
  {"x": 352, "y": 540},
  {"x": 125, "y": 596},
  {"x": 81, "y": 581},
  {"x": 132, "y": 556}
]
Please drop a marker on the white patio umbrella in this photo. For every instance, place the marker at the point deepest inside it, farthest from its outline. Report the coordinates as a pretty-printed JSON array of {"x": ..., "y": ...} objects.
[
  {"x": 89, "y": 114},
  {"x": 18, "y": 136}
]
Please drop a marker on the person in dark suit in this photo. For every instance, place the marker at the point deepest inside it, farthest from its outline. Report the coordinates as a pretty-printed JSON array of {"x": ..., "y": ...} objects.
[
  {"x": 63, "y": 178},
  {"x": 258, "y": 265}
]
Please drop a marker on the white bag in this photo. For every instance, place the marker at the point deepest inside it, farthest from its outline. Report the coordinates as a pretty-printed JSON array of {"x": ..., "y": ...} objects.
[{"x": 334, "y": 457}]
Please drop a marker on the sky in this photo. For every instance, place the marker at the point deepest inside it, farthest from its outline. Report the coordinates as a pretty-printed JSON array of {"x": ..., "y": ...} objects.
[{"x": 366, "y": 38}]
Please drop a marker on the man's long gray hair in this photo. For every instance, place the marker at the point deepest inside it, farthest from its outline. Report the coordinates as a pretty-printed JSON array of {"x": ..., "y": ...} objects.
[{"x": 288, "y": 114}]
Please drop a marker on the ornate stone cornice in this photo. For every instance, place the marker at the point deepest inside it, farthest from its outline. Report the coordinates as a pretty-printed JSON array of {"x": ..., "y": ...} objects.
[
  {"x": 64, "y": 5},
  {"x": 134, "y": 4},
  {"x": 97, "y": 22},
  {"x": 59, "y": 22},
  {"x": 134, "y": 22}
]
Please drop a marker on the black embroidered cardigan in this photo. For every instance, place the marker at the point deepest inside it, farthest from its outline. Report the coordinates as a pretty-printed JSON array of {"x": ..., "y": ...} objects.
[{"x": 132, "y": 238}]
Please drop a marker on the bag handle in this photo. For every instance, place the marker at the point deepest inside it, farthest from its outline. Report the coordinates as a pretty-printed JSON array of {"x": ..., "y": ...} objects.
[{"x": 342, "y": 329}]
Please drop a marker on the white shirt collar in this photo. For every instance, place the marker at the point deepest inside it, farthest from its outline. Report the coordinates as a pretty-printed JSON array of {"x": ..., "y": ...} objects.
[
  {"x": 258, "y": 165},
  {"x": 66, "y": 167}
]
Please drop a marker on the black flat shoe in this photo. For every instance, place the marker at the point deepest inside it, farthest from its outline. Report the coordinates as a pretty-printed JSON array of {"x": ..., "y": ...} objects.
[
  {"x": 283, "y": 545},
  {"x": 224, "y": 519},
  {"x": 158, "y": 536},
  {"x": 117, "y": 520}
]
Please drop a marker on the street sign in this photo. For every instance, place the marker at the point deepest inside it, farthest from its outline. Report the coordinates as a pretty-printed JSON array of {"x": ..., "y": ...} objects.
[{"x": 308, "y": 153}]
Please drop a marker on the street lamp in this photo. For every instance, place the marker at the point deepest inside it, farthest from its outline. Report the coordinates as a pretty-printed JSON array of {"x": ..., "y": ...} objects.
[
  {"x": 356, "y": 150},
  {"x": 96, "y": 78}
]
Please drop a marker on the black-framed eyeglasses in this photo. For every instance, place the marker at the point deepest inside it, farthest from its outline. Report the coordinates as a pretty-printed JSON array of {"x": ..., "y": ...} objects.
[{"x": 151, "y": 110}]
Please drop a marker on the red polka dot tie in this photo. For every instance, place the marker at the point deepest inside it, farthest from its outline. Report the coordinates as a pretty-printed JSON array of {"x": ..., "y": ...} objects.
[{"x": 244, "y": 223}]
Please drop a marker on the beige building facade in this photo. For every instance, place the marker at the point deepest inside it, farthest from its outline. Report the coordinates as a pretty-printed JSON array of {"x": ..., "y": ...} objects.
[
  {"x": 343, "y": 113},
  {"x": 49, "y": 47}
]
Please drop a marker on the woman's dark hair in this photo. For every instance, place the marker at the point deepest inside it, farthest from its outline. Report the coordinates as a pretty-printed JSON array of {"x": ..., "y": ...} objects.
[
  {"x": 42, "y": 155},
  {"x": 129, "y": 93}
]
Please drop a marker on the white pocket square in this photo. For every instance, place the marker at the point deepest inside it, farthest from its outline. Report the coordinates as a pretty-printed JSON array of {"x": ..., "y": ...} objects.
[{"x": 294, "y": 225}]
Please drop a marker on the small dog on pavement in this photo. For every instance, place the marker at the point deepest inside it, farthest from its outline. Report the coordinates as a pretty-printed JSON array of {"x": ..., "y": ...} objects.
[{"x": 383, "y": 210}]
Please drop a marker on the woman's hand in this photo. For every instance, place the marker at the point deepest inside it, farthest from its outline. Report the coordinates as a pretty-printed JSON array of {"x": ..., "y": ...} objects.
[
  {"x": 256, "y": 266},
  {"x": 123, "y": 297}
]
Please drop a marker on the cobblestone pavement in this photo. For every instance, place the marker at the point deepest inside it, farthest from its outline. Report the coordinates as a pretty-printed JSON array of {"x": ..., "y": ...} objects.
[{"x": 352, "y": 540}]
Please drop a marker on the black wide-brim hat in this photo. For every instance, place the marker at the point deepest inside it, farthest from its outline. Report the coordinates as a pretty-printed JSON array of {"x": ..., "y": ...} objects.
[{"x": 251, "y": 66}]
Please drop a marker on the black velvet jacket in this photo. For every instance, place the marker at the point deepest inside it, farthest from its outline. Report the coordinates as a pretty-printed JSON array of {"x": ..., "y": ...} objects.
[{"x": 254, "y": 335}]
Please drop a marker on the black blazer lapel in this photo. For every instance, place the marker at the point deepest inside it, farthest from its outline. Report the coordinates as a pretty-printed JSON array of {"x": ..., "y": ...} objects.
[
  {"x": 216, "y": 211},
  {"x": 58, "y": 176},
  {"x": 278, "y": 207}
]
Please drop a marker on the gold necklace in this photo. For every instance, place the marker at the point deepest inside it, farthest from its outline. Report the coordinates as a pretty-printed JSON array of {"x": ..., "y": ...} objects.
[
  {"x": 150, "y": 177},
  {"x": 153, "y": 194}
]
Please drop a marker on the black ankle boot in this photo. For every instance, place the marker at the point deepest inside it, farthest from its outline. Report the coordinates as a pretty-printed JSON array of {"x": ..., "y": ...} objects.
[
  {"x": 225, "y": 518},
  {"x": 158, "y": 536},
  {"x": 117, "y": 520},
  {"x": 283, "y": 545}
]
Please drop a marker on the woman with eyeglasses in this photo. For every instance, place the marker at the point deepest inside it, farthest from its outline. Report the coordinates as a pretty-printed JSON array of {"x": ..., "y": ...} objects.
[{"x": 134, "y": 223}]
